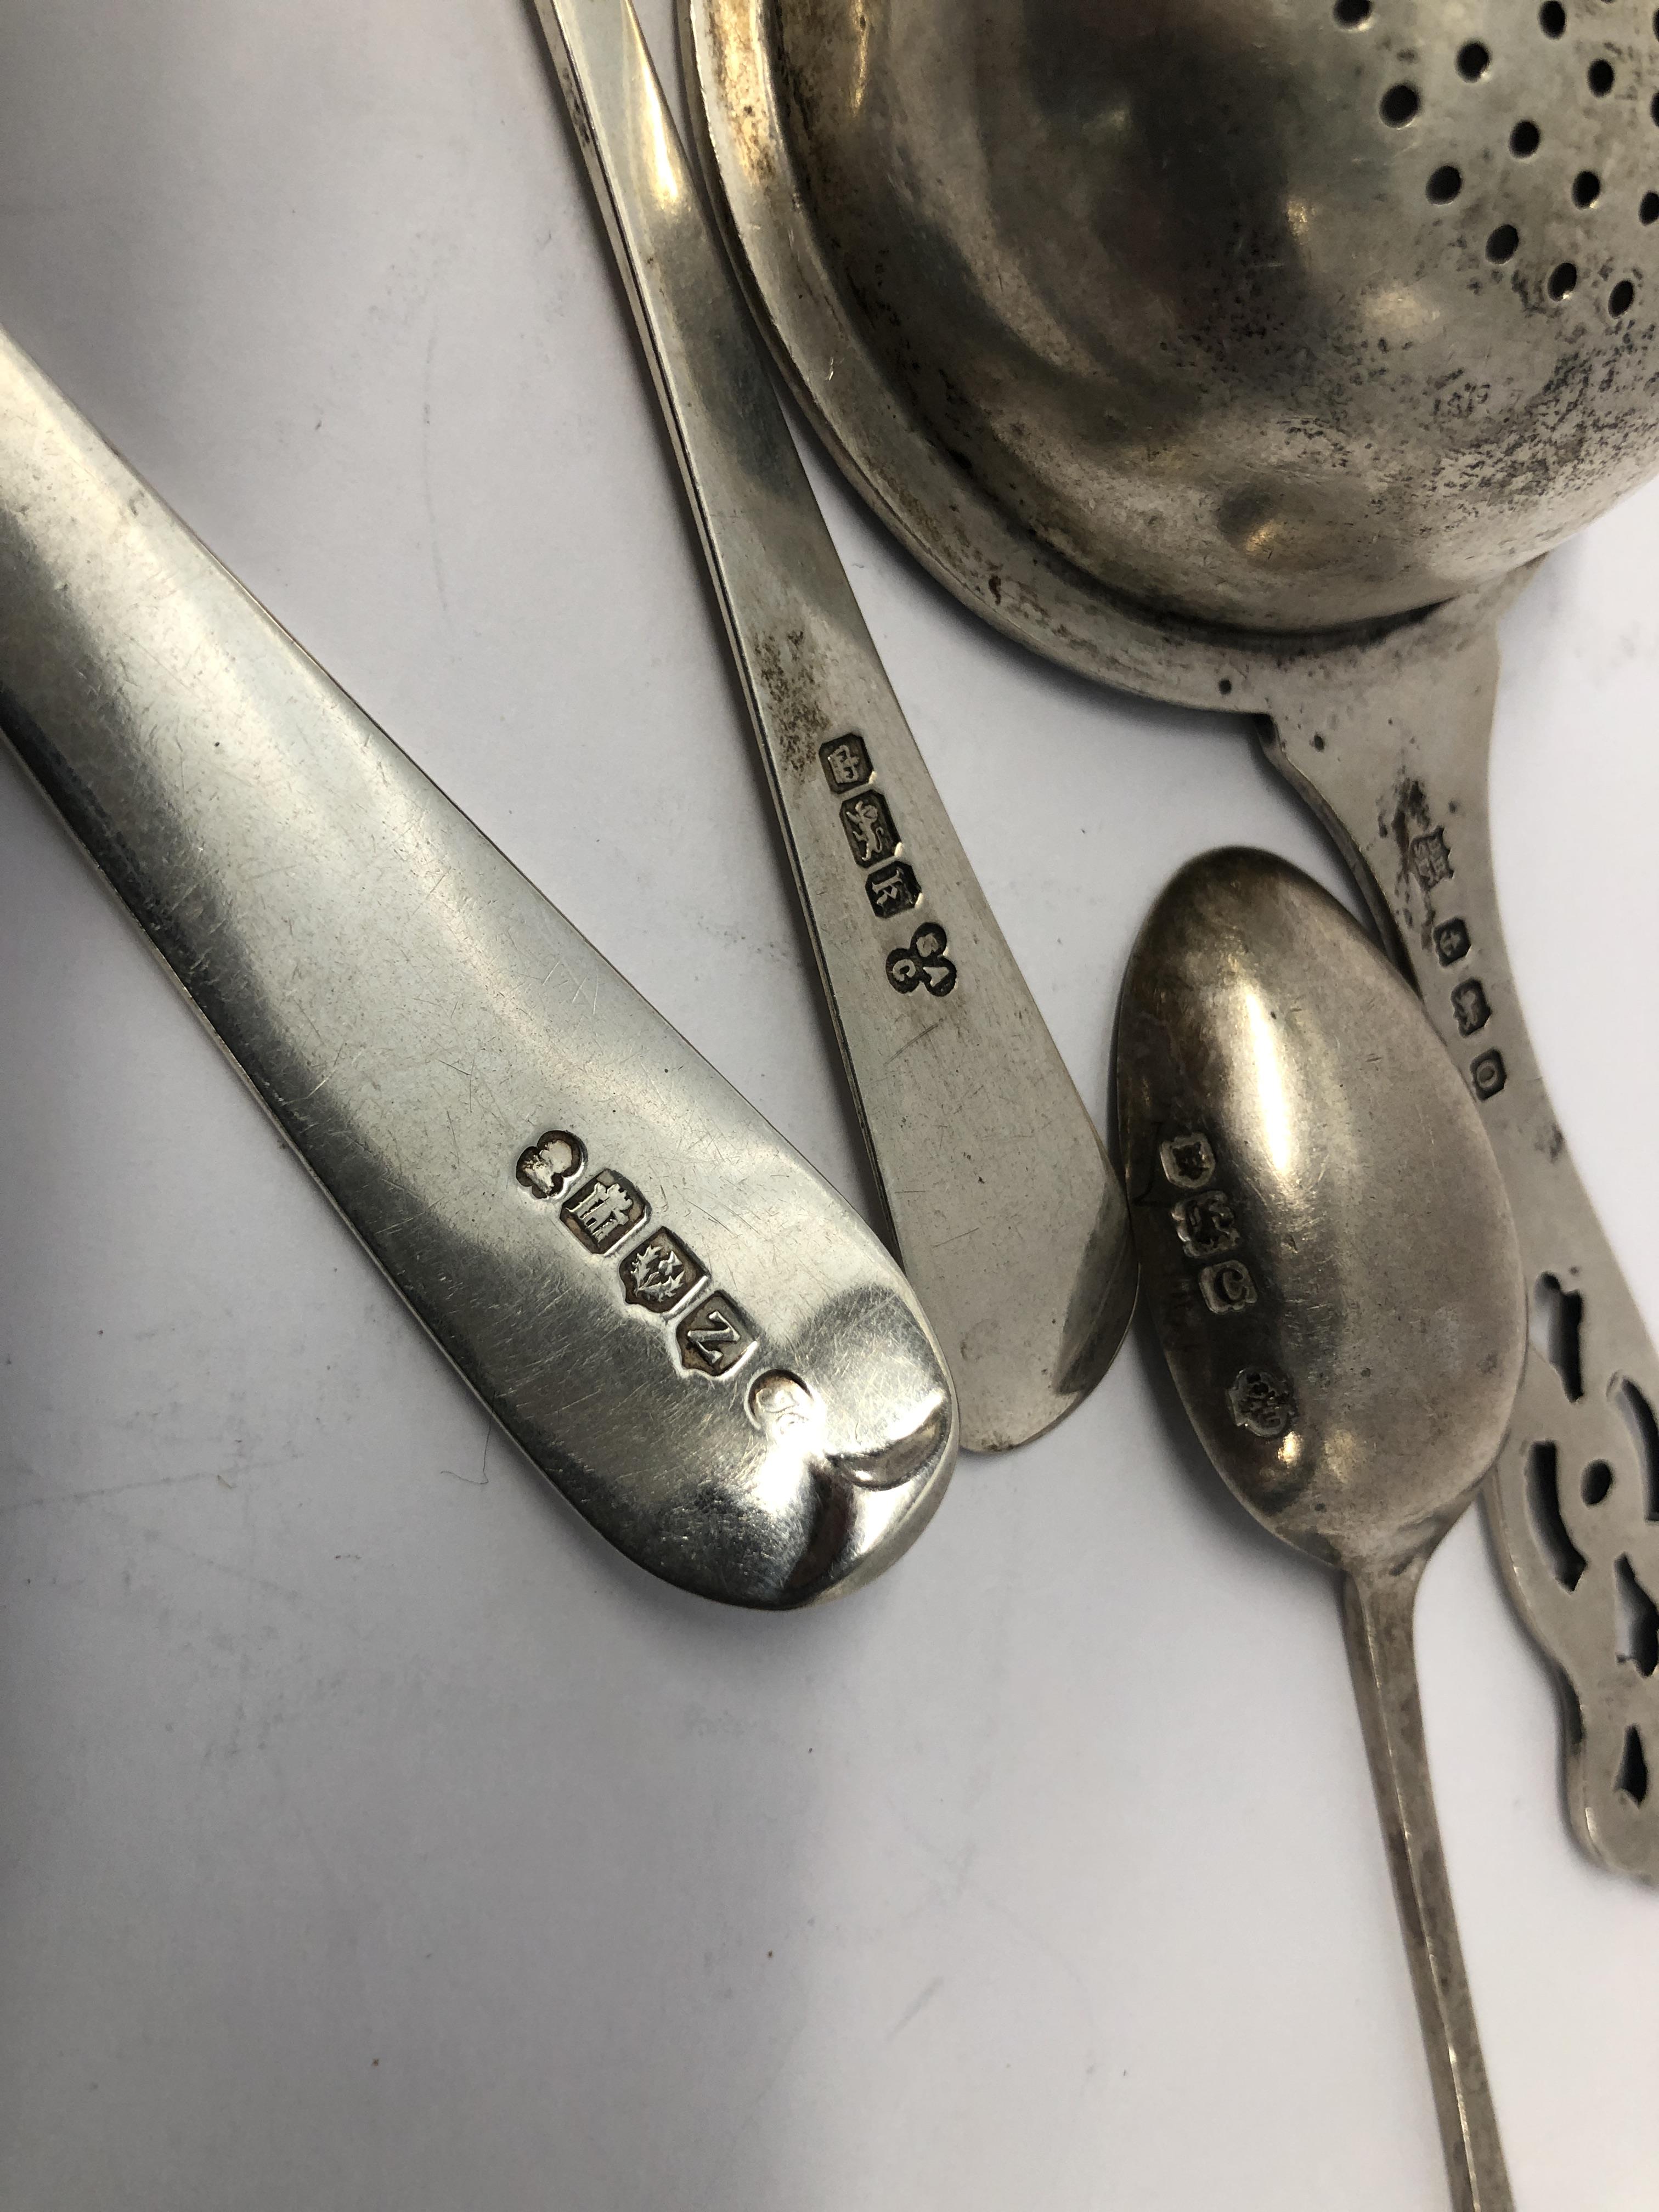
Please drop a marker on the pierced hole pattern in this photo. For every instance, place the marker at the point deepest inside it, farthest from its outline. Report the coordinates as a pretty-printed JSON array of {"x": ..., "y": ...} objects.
[
  {"x": 1631, "y": 1779},
  {"x": 1589, "y": 1542},
  {"x": 1561, "y": 1555},
  {"x": 1402, "y": 103},
  {"x": 1558, "y": 1316}
]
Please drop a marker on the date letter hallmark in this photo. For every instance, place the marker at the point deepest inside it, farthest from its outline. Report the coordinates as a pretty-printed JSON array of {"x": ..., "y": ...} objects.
[
  {"x": 923, "y": 960},
  {"x": 1488, "y": 1074},
  {"x": 714, "y": 1337},
  {"x": 893, "y": 889},
  {"x": 1228, "y": 1286}
]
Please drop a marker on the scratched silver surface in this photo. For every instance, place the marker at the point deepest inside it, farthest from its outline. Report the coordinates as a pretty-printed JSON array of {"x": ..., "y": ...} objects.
[{"x": 682, "y": 1324}]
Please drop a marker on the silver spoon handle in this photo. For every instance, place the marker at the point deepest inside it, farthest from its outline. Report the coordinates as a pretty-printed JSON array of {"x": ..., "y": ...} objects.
[
  {"x": 1377, "y": 1618},
  {"x": 680, "y": 1323},
  {"x": 1395, "y": 760},
  {"x": 1008, "y": 1219}
]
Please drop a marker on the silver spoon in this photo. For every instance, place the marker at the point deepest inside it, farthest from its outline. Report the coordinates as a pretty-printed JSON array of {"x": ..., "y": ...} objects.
[
  {"x": 1331, "y": 1266},
  {"x": 1202, "y": 349},
  {"x": 1007, "y": 1213},
  {"x": 684, "y": 1327}
]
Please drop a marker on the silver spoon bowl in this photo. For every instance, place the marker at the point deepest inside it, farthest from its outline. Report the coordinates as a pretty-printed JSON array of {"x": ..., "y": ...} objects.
[{"x": 1329, "y": 1261}]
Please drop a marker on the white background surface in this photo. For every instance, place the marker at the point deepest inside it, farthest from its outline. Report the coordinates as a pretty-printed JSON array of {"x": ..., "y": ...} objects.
[{"x": 369, "y": 1835}]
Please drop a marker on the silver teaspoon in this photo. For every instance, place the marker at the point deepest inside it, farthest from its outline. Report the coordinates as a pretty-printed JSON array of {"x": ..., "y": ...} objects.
[
  {"x": 1333, "y": 1271},
  {"x": 1026, "y": 1272}
]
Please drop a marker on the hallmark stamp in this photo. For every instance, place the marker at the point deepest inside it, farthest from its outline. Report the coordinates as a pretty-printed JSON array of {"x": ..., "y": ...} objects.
[
  {"x": 846, "y": 763},
  {"x": 780, "y": 1401},
  {"x": 1205, "y": 1224},
  {"x": 1260, "y": 1400},
  {"x": 1470, "y": 1007},
  {"x": 1430, "y": 862},
  {"x": 1488, "y": 1074},
  {"x": 552, "y": 1164},
  {"x": 869, "y": 828},
  {"x": 714, "y": 1337},
  {"x": 893, "y": 890},
  {"x": 923, "y": 960},
  {"x": 1451, "y": 943},
  {"x": 1187, "y": 1161},
  {"x": 606, "y": 1209},
  {"x": 1228, "y": 1286},
  {"x": 661, "y": 1274}
]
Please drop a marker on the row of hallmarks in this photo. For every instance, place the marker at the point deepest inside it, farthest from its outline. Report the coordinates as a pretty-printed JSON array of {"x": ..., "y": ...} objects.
[
  {"x": 890, "y": 882},
  {"x": 660, "y": 1273},
  {"x": 1430, "y": 863},
  {"x": 1260, "y": 1399}
]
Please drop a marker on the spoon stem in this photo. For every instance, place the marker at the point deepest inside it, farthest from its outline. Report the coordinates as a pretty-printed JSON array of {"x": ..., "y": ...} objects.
[{"x": 1376, "y": 1614}]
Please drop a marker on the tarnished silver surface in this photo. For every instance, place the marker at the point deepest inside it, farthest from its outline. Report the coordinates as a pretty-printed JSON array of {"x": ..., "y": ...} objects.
[
  {"x": 681, "y": 1323},
  {"x": 1007, "y": 1213},
  {"x": 1332, "y": 1268},
  {"x": 1293, "y": 361}
]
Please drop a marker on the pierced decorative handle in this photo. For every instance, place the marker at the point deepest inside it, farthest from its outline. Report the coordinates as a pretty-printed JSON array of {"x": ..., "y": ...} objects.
[
  {"x": 1377, "y": 1616},
  {"x": 1394, "y": 758}
]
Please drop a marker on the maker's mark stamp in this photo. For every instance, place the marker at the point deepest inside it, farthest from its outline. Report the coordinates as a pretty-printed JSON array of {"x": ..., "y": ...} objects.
[
  {"x": 552, "y": 1164},
  {"x": 1430, "y": 862},
  {"x": 1260, "y": 1400},
  {"x": 1187, "y": 1161},
  {"x": 780, "y": 1402},
  {"x": 923, "y": 960}
]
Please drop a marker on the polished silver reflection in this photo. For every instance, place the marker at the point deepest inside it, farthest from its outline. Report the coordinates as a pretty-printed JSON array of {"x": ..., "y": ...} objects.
[
  {"x": 1007, "y": 1215},
  {"x": 1135, "y": 323},
  {"x": 1331, "y": 1266},
  {"x": 681, "y": 1323}
]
